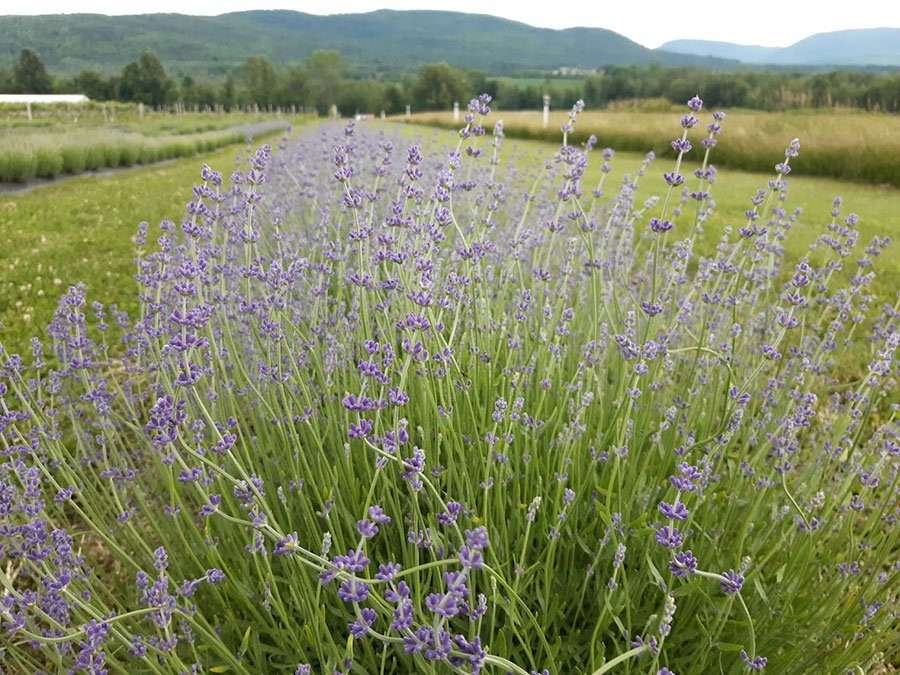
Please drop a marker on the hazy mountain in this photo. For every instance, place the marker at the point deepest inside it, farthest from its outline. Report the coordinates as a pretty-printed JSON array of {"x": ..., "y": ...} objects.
[
  {"x": 390, "y": 39},
  {"x": 863, "y": 47},
  {"x": 723, "y": 50}
]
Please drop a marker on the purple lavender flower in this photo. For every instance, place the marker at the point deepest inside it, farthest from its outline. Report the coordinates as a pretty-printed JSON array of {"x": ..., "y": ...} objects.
[
  {"x": 377, "y": 514},
  {"x": 669, "y": 536},
  {"x": 287, "y": 545},
  {"x": 677, "y": 511},
  {"x": 757, "y": 663},
  {"x": 683, "y": 564},
  {"x": 360, "y": 628},
  {"x": 732, "y": 582},
  {"x": 353, "y": 591},
  {"x": 660, "y": 225},
  {"x": 387, "y": 571},
  {"x": 366, "y": 528}
]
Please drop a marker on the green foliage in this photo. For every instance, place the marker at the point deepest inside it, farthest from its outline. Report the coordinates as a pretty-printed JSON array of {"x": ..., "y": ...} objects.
[
  {"x": 48, "y": 163},
  {"x": 325, "y": 69},
  {"x": 74, "y": 159},
  {"x": 29, "y": 75},
  {"x": 760, "y": 89},
  {"x": 145, "y": 80},
  {"x": 258, "y": 76},
  {"x": 439, "y": 85}
]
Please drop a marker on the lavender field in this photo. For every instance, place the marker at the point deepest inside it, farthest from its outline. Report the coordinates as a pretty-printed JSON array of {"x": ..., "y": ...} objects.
[{"x": 393, "y": 405}]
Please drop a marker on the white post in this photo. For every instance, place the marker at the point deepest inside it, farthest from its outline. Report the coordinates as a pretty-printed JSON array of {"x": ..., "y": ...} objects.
[
  {"x": 456, "y": 111},
  {"x": 382, "y": 114},
  {"x": 334, "y": 111},
  {"x": 140, "y": 111},
  {"x": 408, "y": 113},
  {"x": 28, "y": 109},
  {"x": 546, "y": 119}
]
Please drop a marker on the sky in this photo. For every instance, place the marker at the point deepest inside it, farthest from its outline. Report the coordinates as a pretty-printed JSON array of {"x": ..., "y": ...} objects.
[{"x": 772, "y": 23}]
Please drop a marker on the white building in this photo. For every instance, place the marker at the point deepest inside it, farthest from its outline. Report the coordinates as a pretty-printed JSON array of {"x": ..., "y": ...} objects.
[{"x": 22, "y": 99}]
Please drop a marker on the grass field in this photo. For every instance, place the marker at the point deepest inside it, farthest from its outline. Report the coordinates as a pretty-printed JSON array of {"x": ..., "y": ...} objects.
[
  {"x": 81, "y": 230},
  {"x": 849, "y": 145}
]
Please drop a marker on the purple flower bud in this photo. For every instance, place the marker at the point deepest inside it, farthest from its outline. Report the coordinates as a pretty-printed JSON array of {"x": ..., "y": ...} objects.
[
  {"x": 683, "y": 564},
  {"x": 681, "y": 145},
  {"x": 659, "y": 226},
  {"x": 366, "y": 528},
  {"x": 731, "y": 582},
  {"x": 287, "y": 545},
  {"x": 669, "y": 536},
  {"x": 678, "y": 511},
  {"x": 757, "y": 663}
]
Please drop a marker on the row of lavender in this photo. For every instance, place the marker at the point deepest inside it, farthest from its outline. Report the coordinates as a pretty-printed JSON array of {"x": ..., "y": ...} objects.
[{"x": 394, "y": 407}]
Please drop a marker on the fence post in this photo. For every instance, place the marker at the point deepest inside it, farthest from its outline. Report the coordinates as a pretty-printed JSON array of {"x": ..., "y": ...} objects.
[
  {"x": 456, "y": 111},
  {"x": 546, "y": 118},
  {"x": 408, "y": 113}
]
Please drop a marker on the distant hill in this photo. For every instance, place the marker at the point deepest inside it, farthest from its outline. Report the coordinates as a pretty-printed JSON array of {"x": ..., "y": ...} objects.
[
  {"x": 863, "y": 47},
  {"x": 723, "y": 50},
  {"x": 392, "y": 40}
]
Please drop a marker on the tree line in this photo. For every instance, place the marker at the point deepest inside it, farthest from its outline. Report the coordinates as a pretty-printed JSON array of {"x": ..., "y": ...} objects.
[{"x": 325, "y": 79}]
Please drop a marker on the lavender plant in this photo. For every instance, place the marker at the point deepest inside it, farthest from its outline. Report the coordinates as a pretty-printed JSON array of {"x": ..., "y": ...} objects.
[{"x": 393, "y": 407}]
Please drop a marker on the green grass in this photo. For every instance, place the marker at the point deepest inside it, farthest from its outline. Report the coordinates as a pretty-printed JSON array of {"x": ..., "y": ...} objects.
[{"x": 81, "y": 230}]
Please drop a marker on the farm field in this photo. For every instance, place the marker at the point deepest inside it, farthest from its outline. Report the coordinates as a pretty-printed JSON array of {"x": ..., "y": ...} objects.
[
  {"x": 69, "y": 141},
  {"x": 849, "y": 144},
  {"x": 81, "y": 230},
  {"x": 391, "y": 399}
]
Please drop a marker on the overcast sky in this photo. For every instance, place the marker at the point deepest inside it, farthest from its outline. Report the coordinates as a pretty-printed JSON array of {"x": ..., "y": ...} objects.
[{"x": 773, "y": 23}]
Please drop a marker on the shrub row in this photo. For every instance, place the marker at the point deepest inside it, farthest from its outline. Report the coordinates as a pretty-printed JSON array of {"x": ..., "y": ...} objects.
[{"x": 22, "y": 164}]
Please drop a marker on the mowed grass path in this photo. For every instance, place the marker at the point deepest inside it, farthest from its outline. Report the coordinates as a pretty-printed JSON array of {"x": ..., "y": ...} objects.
[{"x": 81, "y": 230}]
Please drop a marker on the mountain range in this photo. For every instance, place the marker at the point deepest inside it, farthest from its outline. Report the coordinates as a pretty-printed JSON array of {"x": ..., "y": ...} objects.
[
  {"x": 389, "y": 41},
  {"x": 384, "y": 39},
  {"x": 864, "y": 47}
]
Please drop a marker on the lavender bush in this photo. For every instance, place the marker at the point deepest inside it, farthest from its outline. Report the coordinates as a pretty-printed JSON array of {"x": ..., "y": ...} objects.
[{"x": 393, "y": 408}]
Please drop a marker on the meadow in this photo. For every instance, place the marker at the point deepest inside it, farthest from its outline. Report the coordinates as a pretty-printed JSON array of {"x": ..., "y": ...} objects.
[
  {"x": 845, "y": 144},
  {"x": 387, "y": 399},
  {"x": 71, "y": 140}
]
